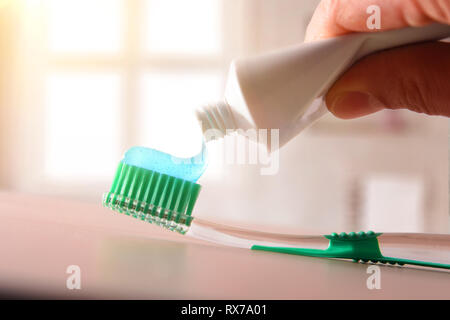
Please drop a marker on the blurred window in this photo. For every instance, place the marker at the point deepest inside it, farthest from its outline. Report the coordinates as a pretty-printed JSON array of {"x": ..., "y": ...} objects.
[{"x": 118, "y": 70}]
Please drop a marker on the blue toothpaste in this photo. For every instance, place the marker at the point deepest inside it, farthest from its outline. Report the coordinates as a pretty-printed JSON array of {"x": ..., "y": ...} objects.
[{"x": 189, "y": 169}]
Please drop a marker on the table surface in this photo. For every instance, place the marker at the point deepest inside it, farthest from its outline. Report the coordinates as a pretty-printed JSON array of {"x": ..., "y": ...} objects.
[{"x": 122, "y": 257}]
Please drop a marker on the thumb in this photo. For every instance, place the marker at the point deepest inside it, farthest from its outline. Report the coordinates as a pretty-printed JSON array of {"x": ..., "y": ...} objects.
[{"x": 414, "y": 77}]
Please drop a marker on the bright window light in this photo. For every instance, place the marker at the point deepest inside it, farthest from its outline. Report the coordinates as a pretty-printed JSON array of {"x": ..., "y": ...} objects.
[
  {"x": 82, "y": 125},
  {"x": 167, "y": 118},
  {"x": 180, "y": 26},
  {"x": 77, "y": 26},
  {"x": 384, "y": 209}
]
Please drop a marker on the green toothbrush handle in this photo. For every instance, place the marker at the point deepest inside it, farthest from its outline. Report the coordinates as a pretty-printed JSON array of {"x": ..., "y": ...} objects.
[
  {"x": 298, "y": 251},
  {"x": 357, "y": 246},
  {"x": 417, "y": 263}
]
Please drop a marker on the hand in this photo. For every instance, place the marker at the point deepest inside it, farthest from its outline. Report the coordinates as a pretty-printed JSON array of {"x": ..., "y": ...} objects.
[{"x": 415, "y": 77}]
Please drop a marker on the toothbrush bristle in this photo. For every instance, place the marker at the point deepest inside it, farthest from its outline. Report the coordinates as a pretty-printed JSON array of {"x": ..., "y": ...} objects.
[{"x": 153, "y": 197}]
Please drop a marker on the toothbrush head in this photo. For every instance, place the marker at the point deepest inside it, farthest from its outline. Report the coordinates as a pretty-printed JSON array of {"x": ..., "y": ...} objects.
[
  {"x": 154, "y": 197},
  {"x": 157, "y": 187}
]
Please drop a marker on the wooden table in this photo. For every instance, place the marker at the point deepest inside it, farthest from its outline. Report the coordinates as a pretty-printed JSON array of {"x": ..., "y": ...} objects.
[{"x": 121, "y": 257}]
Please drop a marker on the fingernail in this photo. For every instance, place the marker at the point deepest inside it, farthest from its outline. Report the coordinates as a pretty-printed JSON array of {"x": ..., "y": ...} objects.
[{"x": 354, "y": 104}]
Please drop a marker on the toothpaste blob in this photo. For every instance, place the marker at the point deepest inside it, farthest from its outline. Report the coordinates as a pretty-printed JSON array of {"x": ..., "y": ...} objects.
[{"x": 189, "y": 169}]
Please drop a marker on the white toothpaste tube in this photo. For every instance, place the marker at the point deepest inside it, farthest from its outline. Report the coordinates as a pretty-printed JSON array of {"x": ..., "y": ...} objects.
[{"x": 284, "y": 89}]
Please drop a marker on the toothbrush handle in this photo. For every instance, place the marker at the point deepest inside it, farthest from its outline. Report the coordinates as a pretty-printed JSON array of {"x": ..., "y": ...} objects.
[
  {"x": 429, "y": 250},
  {"x": 417, "y": 263},
  {"x": 365, "y": 247},
  {"x": 416, "y": 247},
  {"x": 243, "y": 238}
]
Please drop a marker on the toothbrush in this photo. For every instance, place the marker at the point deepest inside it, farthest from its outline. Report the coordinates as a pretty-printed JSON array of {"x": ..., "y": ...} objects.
[{"x": 149, "y": 187}]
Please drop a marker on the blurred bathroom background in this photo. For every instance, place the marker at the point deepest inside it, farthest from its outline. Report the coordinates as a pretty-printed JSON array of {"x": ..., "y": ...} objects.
[{"x": 83, "y": 80}]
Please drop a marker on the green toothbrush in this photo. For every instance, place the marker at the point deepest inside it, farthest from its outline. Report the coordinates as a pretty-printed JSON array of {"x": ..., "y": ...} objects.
[{"x": 165, "y": 194}]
